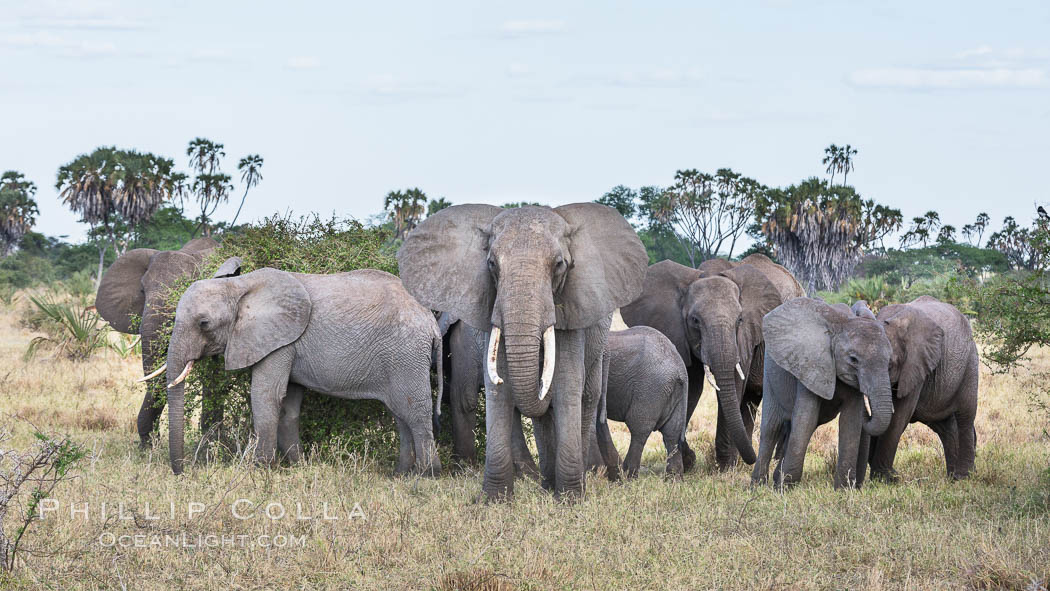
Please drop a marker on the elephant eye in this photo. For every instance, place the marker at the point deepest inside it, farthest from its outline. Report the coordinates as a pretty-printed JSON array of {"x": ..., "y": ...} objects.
[
  {"x": 203, "y": 323},
  {"x": 853, "y": 359}
]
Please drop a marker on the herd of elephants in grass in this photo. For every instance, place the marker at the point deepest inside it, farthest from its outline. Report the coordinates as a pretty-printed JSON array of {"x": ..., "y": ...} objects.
[{"x": 558, "y": 315}]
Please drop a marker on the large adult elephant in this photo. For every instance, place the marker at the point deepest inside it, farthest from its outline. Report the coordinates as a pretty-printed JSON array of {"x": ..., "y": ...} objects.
[
  {"x": 543, "y": 282},
  {"x": 713, "y": 315},
  {"x": 136, "y": 286},
  {"x": 934, "y": 370}
]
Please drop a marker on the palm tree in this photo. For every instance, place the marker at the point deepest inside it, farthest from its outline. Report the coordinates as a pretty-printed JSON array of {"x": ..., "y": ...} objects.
[
  {"x": 250, "y": 176},
  {"x": 831, "y": 161},
  {"x": 111, "y": 187},
  {"x": 437, "y": 205},
  {"x": 845, "y": 165},
  {"x": 18, "y": 209},
  {"x": 211, "y": 185}
]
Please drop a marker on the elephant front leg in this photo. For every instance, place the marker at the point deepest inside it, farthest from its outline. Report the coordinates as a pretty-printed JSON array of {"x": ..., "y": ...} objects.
[
  {"x": 149, "y": 412},
  {"x": 288, "y": 427},
  {"x": 524, "y": 465},
  {"x": 463, "y": 402},
  {"x": 851, "y": 419},
  {"x": 803, "y": 422},
  {"x": 885, "y": 451},
  {"x": 771, "y": 432},
  {"x": 498, "y": 483},
  {"x": 269, "y": 385},
  {"x": 696, "y": 386}
]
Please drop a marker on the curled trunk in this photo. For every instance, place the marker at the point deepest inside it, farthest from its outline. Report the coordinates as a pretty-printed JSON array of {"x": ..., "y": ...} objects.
[
  {"x": 880, "y": 397},
  {"x": 729, "y": 403}
]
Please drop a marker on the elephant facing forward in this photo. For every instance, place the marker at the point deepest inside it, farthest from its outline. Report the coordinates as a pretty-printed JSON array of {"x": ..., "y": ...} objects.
[
  {"x": 351, "y": 335},
  {"x": 543, "y": 283}
]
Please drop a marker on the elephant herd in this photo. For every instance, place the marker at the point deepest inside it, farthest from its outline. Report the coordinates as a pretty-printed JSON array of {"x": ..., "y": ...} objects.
[{"x": 521, "y": 301}]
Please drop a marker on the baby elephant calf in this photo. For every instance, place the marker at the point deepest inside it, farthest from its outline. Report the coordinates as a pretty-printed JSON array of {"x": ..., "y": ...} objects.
[{"x": 646, "y": 387}]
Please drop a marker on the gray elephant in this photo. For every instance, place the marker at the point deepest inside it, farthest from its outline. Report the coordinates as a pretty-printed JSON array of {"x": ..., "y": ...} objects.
[
  {"x": 713, "y": 315},
  {"x": 136, "y": 285},
  {"x": 646, "y": 387},
  {"x": 934, "y": 370},
  {"x": 351, "y": 335},
  {"x": 821, "y": 361},
  {"x": 464, "y": 365},
  {"x": 544, "y": 282}
]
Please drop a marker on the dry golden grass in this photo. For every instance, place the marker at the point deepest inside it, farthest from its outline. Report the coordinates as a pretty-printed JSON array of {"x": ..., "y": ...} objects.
[{"x": 709, "y": 531}]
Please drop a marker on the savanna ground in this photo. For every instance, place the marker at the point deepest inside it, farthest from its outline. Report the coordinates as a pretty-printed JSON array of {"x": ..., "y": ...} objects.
[{"x": 710, "y": 531}]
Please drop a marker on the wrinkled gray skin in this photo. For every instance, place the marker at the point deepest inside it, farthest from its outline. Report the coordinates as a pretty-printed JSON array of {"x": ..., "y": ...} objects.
[
  {"x": 524, "y": 270},
  {"x": 934, "y": 369},
  {"x": 356, "y": 335},
  {"x": 464, "y": 372},
  {"x": 820, "y": 362},
  {"x": 646, "y": 387},
  {"x": 713, "y": 315},
  {"x": 137, "y": 284}
]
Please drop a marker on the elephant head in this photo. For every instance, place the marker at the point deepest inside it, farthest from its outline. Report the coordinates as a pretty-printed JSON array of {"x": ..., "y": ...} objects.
[
  {"x": 244, "y": 318},
  {"x": 918, "y": 346},
  {"x": 820, "y": 344},
  {"x": 522, "y": 273}
]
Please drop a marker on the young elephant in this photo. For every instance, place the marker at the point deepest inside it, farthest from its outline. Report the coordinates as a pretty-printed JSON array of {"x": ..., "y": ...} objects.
[
  {"x": 935, "y": 370},
  {"x": 646, "y": 387},
  {"x": 821, "y": 361},
  {"x": 351, "y": 335}
]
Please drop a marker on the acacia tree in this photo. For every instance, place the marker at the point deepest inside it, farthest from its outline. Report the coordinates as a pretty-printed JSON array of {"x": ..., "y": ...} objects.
[
  {"x": 406, "y": 209},
  {"x": 707, "y": 212},
  {"x": 1024, "y": 248},
  {"x": 115, "y": 191},
  {"x": 18, "y": 209},
  {"x": 249, "y": 166},
  {"x": 210, "y": 185},
  {"x": 621, "y": 198}
]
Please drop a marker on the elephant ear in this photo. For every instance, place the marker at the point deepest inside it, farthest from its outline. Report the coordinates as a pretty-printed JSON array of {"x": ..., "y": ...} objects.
[
  {"x": 231, "y": 267},
  {"x": 758, "y": 297},
  {"x": 715, "y": 266},
  {"x": 922, "y": 342},
  {"x": 199, "y": 245},
  {"x": 861, "y": 310},
  {"x": 443, "y": 263},
  {"x": 798, "y": 338},
  {"x": 120, "y": 293},
  {"x": 660, "y": 305},
  {"x": 273, "y": 311},
  {"x": 445, "y": 322},
  {"x": 608, "y": 265}
]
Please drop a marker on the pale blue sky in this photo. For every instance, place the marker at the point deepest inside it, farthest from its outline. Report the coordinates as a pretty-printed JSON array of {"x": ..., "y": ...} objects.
[{"x": 948, "y": 102}]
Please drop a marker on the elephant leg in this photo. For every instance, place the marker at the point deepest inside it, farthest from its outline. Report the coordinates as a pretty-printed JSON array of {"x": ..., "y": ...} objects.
[
  {"x": 288, "y": 442},
  {"x": 851, "y": 419},
  {"x": 498, "y": 483},
  {"x": 672, "y": 444},
  {"x": 406, "y": 455},
  {"x": 427, "y": 461},
  {"x": 212, "y": 416},
  {"x": 569, "y": 472},
  {"x": 696, "y": 386},
  {"x": 464, "y": 386},
  {"x": 772, "y": 429},
  {"x": 524, "y": 465},
  {"x": 885, "y": 447},
  {"x": 803, "y": 423},
  {"x": 725, "y": 450},
  {"x": 269, "y": 385},
  {"x": 546, "y": 443},
  {"x": 948, "y": 431},
  {"x": 633, "y": 461},
  {"x": 610, "y": 457},
  {"x": 594, "y": 454},
  {"x": 149, "y": 412},
  {"x": 862, "y": 457},
  {"x": 965, "y": 417}
]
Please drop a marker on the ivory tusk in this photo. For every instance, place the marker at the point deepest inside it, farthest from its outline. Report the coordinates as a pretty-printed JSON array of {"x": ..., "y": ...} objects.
[
  {"x": 711, "y": 379},
  {"x": 548, "y": 361},
  {"x": 491, "y": 360},
  {"x": 159, "y": 371},
  {"x": 182, "y": 376},
  {"x": 739, "y": 371},
  {"x": 867, "y": 404}
]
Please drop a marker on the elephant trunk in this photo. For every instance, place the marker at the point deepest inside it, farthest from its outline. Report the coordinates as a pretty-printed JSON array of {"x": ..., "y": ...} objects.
[
  {"x": 729, "y": 403},
  {"x": 522, "y": 343},
  {"x": 179, "y": 364},
  {"x": 876, "y": 387}
]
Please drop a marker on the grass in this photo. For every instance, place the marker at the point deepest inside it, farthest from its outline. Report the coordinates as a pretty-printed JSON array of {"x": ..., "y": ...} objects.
[{"x": 709, "y": 531}]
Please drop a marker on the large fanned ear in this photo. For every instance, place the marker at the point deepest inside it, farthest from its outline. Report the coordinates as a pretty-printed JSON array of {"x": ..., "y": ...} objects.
[
  {"x": 273, "y": 311},
  {"x": 231, "y": 267},
  {"x": 798, "y": 338},
  {"x": 120, "y": 293},
  {"x": 660, "y": 305},
  {"x": 922, "y": 343},
  {"x": 758, "y": 297},
  {"x": 608, "y": 265},
  {"x": 199, "y": 245},
  {"x": 443, "y": 263}
]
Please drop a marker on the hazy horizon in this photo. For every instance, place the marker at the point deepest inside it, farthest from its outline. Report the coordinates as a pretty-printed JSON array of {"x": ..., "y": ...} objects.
[{"x": 553, "y": 102}]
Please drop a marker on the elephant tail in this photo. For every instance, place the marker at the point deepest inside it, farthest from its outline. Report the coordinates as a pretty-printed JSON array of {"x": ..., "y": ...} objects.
[{"x": 439, "y": 366}]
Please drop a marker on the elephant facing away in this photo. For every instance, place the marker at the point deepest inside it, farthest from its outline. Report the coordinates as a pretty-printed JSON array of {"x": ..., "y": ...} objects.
[
  {"x": 464, "y": 366},
  {"x": 713, "y": 315},
  {"x": 351, "y": 335},
  {"x": 137, "y": 285},
  {"x": 646, "y": 388},
  {"x": 543, "y": 283},
  {"x": 935, "y": 371},
  {"x": 821, "y": 361}
]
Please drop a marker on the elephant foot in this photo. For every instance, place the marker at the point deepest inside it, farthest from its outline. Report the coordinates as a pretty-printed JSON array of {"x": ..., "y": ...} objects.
[
  {"x": 888, "y": 476},
  {"x": 688, "y": 458},
  {"x": 526, "y": 469},
  {"x": 673, "y": 476},
  {"x": 497, "y": 495},
  {"x": 145, "y": 443}
]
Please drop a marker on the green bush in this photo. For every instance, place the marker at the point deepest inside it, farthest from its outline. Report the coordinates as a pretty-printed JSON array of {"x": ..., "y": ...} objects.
[{"x": 306, "y": 245}]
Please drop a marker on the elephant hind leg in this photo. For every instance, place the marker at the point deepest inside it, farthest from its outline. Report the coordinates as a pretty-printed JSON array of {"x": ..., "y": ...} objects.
[
  {"x": 965, "y": 417},
  {"x": 406, "y": 455},
  {"x": 427, "y": 462},
  {"x": 524, "y": 465},
  {"x": 948, "y": 431},
  {"x": 633, "y": 461}
]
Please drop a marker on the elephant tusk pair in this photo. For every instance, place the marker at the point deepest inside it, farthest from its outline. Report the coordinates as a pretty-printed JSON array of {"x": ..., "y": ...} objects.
[
  {"x": 739, "y": 371},
  {"x": 159, "y": 371},
  {"x": 182, "y": 376},
  {"x": 549, "y": 350},
  {"x": 548, "y": 361},
  {"x": 711, "y": 379}
]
